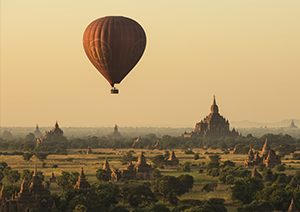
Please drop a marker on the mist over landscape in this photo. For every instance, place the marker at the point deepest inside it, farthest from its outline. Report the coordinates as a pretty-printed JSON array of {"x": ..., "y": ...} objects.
[{"x": 244, "y": 127}]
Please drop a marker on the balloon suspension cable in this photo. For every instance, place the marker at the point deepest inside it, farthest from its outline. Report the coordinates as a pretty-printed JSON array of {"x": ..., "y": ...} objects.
[{"x": 114, "y": 90}]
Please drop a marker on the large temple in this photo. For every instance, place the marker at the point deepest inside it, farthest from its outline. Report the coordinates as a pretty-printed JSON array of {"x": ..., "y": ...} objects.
[
  {"x": 213, "y": 125},
  {"x": 141, "y": 170},
  {"x": 34, "y": 197},
  {"x": 55, "y": 133},
  {"x": 37, "y": 132},
  {"x": 266, "y": 157},
  {"x": 116, "y": 134}
]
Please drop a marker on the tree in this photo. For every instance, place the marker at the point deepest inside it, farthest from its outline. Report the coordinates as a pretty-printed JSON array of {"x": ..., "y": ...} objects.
[
  {"x": 3, "y": 165},
  {"x": 185, "y": 184},
  {"x": 108, "y": 194},
  {"x": 244, "y": 190},
  {"x": 259, "y": 206},
  {"x": 186, "y": 167},
  {"x": 29, "y": 142},
  {"x": 27, "y": 156},
  {"x": 138, "y": 195},
  {"x": 268, "y": 175},
  {"x": 67, "y": 180},
  {"x": 158, "y": 207},
  {"x": 170, "y": 187},
  {"x": 12, "y": 176},
  {"x": 41, "y": 155},
  {"x": 156, "y": 173},
  {"x": 280, "y": 168},
  {"x": 277, "y": 195},
  {"x": 27, "y": 175},
  {"x": 103, "y": 175},
  {"x": 119, "y": 209},
  {"x": 159, "y": 161},
  {"x": 196, "y": 156},
  {"x": 127, "y": 157},
  {"x": 9, "y": 190},
  {"x": 80, "y": 208}
]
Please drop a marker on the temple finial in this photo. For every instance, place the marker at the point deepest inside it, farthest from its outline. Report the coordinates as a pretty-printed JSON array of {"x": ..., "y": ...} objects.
[{"x": 214, "y": 107}]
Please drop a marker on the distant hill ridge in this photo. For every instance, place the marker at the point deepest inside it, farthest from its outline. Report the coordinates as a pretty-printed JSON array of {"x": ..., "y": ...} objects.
[{"x": 251, "y": 124}]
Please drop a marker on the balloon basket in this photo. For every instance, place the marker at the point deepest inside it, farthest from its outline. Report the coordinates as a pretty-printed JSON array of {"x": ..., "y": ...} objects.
[{"x": 114, "y": 91}]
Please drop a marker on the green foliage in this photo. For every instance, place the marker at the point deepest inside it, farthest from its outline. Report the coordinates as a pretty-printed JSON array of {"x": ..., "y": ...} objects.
[
  {"x": 67, "y": 180},
  {"x": 3, "y": 165},
  {"x": 27, "y": 156},
  {"x": 27, "y": 175},
  {"x": 12, "y": 176},
  {"x": 228, "y": 163},
  {"x": 209, "y": 187},
  {"x": 138, "y": 195},
  {"x": 276, "y": 195},
  {"x": 128, "y": 157},
  {"x": 29, "y": 142},
  {"x": 268, "y": 175},
  {"x": 159, "y": 161},
  {"x": 119, "y": 208},
  {"x": 280, "y": 168},
  {"x": 245, "y": 189},
  {"x": 158, "y": 207},
  {"x": 211, "y": 205},
  {"x": 41, "y": 155},
  {"x": 258, "y": 206},
  {"x": 103, "y": 175},
  {"x": 229, "y": 174},
  {"x": 156, "y": 173},
  {"x": 9, "y": 190},
  {"x": 185, "y": 184},
  {"x": 170, "y": 187},
  {"x": 186, "y": 167},
  {"x": 80, "y": 208},
  {"x": 108, "y": 194}
]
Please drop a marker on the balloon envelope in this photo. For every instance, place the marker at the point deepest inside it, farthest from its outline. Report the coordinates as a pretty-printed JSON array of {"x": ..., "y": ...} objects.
[{"x": 114, "y": 45}]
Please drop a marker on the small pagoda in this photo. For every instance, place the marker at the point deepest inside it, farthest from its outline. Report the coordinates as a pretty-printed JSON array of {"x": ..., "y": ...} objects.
[{"x": 82, "y": 183}]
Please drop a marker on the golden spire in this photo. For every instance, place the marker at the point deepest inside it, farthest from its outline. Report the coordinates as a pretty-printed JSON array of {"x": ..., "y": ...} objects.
[
  {"x": 35, "y": 169},
  {"x": 2, "y": 192},
  {"x": 22, "y": 188},
  {"x": 292, "y": 207}
]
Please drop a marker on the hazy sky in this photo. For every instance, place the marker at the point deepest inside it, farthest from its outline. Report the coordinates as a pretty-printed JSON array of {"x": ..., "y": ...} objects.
[{"x": 246, "y": 52}]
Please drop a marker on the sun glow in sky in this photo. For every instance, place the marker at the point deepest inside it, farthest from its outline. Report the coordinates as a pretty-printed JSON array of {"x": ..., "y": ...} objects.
[{"x": 247, "y": 53}]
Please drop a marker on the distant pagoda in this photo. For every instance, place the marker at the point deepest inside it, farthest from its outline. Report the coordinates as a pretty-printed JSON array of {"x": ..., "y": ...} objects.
[
  {"x": 82, "y": 183},
  {"x": 116, "y": 134},
  {"x": 293, "y": 125},
  {"x": 37, "y": 132},
  {"x": 213, "y": 125},
  {"x": 142, "y": 168},
  {"x": 55, "y": 133},
  {"x": 172, "y": 160}
]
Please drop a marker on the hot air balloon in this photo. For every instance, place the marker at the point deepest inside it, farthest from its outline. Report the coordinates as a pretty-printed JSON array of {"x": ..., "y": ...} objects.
[{"x": 114, "y": 45}]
